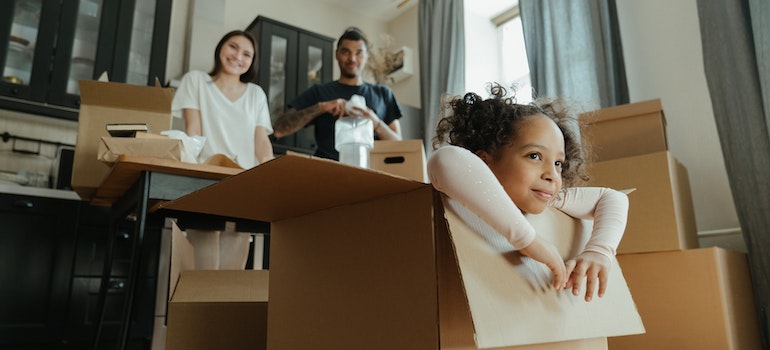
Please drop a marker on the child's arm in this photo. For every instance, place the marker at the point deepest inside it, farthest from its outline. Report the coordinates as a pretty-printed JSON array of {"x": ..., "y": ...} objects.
[
  {"x": 464, "y": 177},
  {"x": 609, "y": 210}
]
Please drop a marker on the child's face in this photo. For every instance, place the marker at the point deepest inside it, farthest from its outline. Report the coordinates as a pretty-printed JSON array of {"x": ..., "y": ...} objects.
[{"x": 530, "y": 168}]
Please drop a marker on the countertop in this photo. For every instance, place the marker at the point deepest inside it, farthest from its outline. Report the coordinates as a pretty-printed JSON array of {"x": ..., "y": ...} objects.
[{"x": 38, "y": 192}]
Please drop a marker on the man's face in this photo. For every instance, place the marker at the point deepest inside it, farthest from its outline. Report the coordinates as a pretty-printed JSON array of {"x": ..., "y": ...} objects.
[{"x": 351, "y": 57}]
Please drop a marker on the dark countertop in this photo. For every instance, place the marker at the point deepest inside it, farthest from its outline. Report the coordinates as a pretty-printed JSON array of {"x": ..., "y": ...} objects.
[{"x": 38, "y": 192}]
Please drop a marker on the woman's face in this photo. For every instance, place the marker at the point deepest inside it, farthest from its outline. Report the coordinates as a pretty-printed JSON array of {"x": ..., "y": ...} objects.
[
  {"x": 530, "y": 167},
  {"x": 236, "y": 55}
]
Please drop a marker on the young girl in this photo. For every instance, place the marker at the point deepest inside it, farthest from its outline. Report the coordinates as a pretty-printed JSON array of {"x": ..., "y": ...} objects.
[
  {"x": 232, "y": 113},
  {"x": 505, "y": 159}
]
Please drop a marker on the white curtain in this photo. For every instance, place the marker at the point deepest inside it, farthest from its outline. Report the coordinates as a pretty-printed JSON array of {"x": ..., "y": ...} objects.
[{"x": 442, "y": 58}]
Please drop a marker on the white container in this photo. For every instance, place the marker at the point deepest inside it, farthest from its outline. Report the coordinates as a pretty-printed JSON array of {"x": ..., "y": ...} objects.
[{"x": 354, "y": 138}]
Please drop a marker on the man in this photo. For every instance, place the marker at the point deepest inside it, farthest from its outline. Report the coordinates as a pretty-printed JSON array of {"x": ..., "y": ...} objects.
[{"x": 323, "y": 104}]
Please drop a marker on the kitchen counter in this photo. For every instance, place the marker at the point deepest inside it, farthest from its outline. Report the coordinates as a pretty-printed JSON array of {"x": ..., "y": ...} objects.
[{"x": 38, "y": 192}]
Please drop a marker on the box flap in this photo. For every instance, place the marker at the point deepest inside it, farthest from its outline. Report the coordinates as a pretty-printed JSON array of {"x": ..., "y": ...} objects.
[
  {"x": 279, "y": 189},
  {"x": 221, "y": 286},
  {"x": 509, "y": 296},
  {"x": 385, "y": 146},
  {"x": 126, "y": 96},
  {"x": 625, "y": 110}
]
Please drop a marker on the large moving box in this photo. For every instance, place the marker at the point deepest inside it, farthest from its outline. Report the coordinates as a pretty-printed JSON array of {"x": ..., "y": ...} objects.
[
  {"x": 218, "y": 309},
  {"x": 661, "y": 215},
  {"x": 626, "y": 130},
  {"x": 691, "y": 299},
  {"x": 103, "y": 103},
  {"x": 361, "y": 259}
]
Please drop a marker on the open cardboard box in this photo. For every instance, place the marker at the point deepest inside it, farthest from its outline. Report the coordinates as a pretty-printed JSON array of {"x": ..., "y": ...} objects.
[
  {"x": 103, "y": 103},
  {"x": 626, "y": 130},
  {"x": 373, "y": 261}
]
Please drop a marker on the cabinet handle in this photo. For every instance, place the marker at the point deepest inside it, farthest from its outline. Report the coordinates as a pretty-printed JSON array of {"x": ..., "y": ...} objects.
[
  {"x": 117, "y": 285},
  {"x": 24, "y": 204}
]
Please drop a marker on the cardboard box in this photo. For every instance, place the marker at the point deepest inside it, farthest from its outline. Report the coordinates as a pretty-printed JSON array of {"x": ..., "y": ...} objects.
[
  {"x": 626, "y": 130},
  {"x": 371, "y": 261},
  {"x": 218, "y": 309},
  {"x": 661, "y": 215},
  {"x": 111, "y": 148},
  {"x": 403, "y": 158},
  {"x": 103, "y": 103},
  {"x": 691, "y": 299}
]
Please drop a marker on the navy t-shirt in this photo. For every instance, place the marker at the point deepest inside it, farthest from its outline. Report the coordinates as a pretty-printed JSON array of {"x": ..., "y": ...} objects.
[{"x": 378, "y": 97}]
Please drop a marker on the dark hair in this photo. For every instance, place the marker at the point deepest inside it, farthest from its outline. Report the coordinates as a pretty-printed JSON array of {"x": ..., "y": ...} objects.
[
  {"x": 355, "y": 34},
  {"x": 250, "y": 74},
  {"x": 489, "y": 125}
]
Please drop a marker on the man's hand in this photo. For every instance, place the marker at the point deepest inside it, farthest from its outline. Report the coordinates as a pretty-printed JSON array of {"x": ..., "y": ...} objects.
[
  {"x": 592, "y": 267},
  {"x": 333, "y": 107},
  {"x": 547, "y": 254}
]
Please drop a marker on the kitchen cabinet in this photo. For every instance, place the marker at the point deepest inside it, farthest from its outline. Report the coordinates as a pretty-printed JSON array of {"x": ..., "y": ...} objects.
[
  {"x": 52, "y": 44},
  {"x": 36, "y": 255},
  {"x": 291, "y": 60}
]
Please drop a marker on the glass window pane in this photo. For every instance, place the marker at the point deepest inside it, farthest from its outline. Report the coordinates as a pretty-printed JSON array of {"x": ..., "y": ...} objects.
[
  {"x": 21, "y": 43},
  {"x": 314, "y": 66},
  {"x": 84, "y": 45},
  {"x": 278, "y": 49},
  {"x": 141, "y": 43}
]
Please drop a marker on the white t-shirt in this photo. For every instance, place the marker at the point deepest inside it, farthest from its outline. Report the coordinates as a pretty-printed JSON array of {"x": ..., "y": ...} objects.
[{"x": 228, "y": 126}]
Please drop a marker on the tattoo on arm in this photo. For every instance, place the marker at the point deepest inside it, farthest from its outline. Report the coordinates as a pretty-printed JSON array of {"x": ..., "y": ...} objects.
[{"x": 293, "y": 120}]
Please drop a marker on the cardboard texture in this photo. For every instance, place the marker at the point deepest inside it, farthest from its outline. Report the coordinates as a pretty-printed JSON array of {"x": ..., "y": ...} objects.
[
  {"x": 218, "y": 309},
  {"x": 366, "y": 261},
  {"x": 403, "y": 158},
  {"x": 661, "y": 215},
  {"x": 111, "y": 148},
  {"x": 104, "y": 103},
  {"x": 626, "y": 130},
  {"x": 692, "y": 299}
]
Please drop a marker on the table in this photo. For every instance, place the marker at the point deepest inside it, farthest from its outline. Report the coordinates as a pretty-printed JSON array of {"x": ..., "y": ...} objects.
[{"x": 134, "y": 188}]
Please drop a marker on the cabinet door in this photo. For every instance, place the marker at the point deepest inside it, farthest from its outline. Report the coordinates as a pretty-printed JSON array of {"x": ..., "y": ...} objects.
[
  {"x": 291, "y": 60},
  {"x": 36, "y": 256},
  {"x": 55, "y": 43}
]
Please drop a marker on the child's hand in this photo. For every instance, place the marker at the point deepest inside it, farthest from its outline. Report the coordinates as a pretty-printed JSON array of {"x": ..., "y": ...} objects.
[
  {"x": 547, "y": 254},
  {"x": 591, "y": 266}
]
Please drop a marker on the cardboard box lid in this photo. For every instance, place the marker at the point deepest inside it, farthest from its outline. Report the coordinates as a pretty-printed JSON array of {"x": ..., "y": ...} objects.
[
  {"x": 330, "y": 184},
  {"x": 201, "y": 286},
  {"x": 625, "y": 110},
  {"x": 126, "y": 96},
  {"x": 509, "y": 296}
]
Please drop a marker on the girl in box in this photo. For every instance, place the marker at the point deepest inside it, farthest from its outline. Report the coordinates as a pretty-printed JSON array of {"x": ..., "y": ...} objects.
[
  {"x": 501, "y": 160},
  {"x": 232, "y": 113}
]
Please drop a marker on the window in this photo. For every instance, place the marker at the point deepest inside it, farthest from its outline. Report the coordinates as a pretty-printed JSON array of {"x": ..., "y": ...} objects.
[{"x": 495, "y": 52}]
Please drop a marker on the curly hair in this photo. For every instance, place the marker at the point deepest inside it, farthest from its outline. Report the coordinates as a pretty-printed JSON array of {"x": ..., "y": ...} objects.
[{"x": 491, "y": 124}]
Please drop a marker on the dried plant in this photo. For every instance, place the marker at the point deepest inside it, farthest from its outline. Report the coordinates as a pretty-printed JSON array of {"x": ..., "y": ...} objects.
[{"x": 383, "y": 60}]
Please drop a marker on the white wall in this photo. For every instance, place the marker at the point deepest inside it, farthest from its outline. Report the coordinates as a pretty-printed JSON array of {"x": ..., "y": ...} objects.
[{"x": 663, "y": 57}]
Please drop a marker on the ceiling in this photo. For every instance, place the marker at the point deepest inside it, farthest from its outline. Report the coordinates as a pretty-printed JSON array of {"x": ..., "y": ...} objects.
[
  {"x": 390, "y": 9},
  {"x": 386, "y": 9}
]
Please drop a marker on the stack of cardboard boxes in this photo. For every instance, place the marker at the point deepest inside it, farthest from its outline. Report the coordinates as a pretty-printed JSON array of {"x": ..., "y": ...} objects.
[{"x": 688, "y": 298}]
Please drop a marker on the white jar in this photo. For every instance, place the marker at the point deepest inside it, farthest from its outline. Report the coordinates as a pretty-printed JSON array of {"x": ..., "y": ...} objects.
[{"x": 354, "y": 138}]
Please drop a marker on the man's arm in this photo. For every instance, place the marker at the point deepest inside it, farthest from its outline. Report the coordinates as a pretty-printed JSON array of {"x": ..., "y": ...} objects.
[{"x": 293, "y": 120}]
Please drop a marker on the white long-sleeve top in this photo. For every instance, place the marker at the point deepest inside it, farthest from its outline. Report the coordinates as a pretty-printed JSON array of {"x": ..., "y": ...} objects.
[{"x": 465, "y": 178}]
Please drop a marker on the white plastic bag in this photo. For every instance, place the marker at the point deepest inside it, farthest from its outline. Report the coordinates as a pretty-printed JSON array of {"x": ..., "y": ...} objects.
[{"x": 193, "y": 145}]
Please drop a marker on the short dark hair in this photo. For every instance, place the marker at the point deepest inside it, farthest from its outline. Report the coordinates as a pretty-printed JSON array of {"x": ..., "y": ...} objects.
[
  {"x": 489, "y": 125},
  {"x": 250, "y": 74},
  {"x": 355, "y": 34}
]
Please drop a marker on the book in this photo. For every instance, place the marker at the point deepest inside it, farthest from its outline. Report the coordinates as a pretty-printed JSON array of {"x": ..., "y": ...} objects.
[{"x": 126, "y": 129}]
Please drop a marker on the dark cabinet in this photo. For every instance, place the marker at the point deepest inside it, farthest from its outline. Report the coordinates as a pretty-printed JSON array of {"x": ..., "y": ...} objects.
[
  {"x": 52, "y": 44},
  {"x": 36, "y": 256},
  {"x": 290, "y": 60}
]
